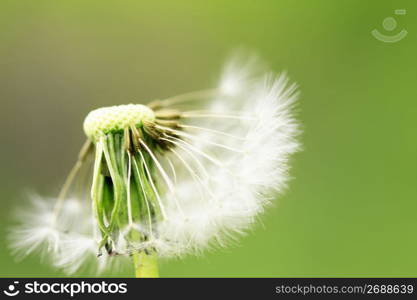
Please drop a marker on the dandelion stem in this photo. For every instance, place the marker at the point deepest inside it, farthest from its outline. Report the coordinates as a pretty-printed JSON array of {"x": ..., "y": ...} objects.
[{"x": 146, "y": 264}]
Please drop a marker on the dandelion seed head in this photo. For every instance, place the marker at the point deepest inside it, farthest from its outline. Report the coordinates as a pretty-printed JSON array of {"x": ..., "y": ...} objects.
[
  {"x": 116, "y": 118},
  {"x": 171, "y": 181}
]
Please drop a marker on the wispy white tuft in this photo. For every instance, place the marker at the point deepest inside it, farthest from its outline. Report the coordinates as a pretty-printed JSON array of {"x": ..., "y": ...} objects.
[
  {"x": 39, "y": 228},
  {"x": 76, "y": 251},
  {"x": 232, "y": 193},
  {"x": 64, "y": 238},
  {"x": 239, "y": 71},
  {"x": 38, "y": 232}
]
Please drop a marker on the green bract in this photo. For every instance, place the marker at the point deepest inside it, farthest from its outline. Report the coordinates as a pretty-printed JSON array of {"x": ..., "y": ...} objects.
[{"x": 124, "y": 191}]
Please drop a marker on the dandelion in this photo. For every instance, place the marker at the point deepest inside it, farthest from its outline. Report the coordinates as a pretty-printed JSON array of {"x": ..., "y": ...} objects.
[{"x": 170, "y": 178}]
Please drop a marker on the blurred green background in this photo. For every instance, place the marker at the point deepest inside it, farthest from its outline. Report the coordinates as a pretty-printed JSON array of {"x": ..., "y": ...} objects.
[{"x": 351, "y": 209}]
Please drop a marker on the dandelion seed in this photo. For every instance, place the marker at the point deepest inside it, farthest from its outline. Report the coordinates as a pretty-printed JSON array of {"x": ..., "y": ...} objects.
[{"x": 167, "y": 181}]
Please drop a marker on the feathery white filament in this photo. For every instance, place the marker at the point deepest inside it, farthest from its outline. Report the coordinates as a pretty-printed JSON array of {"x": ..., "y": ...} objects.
[{"x": 240, "y": 180}]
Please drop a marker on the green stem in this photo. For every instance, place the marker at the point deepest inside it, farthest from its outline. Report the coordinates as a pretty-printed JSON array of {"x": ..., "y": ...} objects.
[{"x": 146, "y": 265}]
